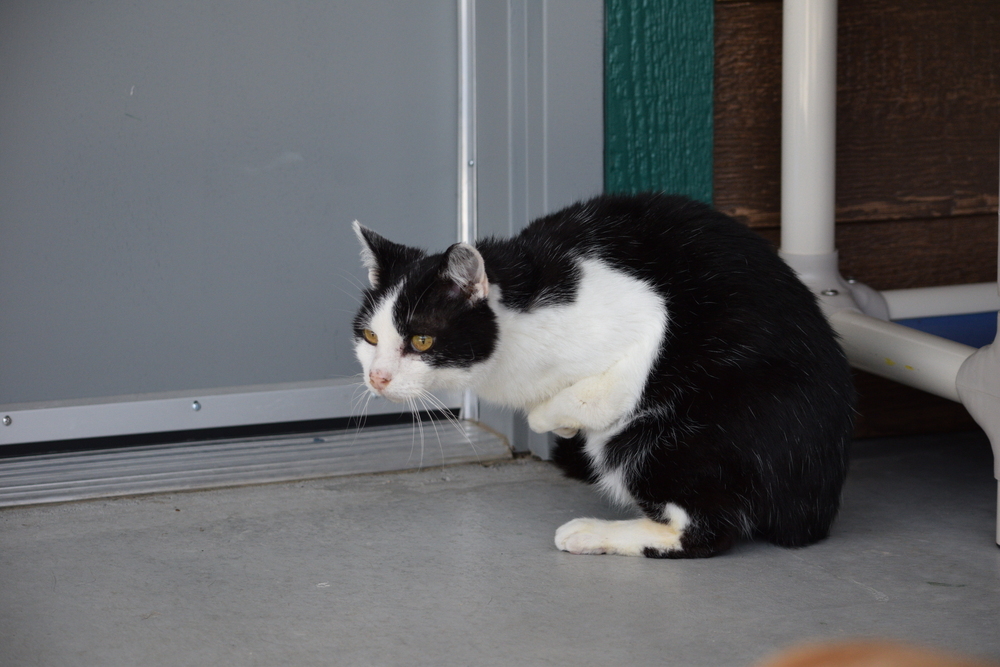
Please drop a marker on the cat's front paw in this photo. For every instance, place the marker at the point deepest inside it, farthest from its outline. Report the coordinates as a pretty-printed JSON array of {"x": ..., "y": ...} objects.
[
  {"x": 592, "y": 404},
  {"x": 543, "y": 420}
]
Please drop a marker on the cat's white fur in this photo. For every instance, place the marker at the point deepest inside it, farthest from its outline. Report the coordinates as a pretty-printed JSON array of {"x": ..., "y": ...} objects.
[
  {"x": 575, "y": 366},
  {"x": 580, "y": 365}
]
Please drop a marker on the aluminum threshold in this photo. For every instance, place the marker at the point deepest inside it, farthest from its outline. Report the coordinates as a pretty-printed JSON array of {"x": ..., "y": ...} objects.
[{"x": 54, "y": 478}]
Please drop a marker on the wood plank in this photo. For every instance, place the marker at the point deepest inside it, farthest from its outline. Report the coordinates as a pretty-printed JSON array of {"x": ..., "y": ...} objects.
[
  {"x": 919, "y": 253},
  {"x": 887, "y": 408},
  {"x": 918, "y": 109},
  {"x": 918, "y": 113},
  {"x": 900, "y": 254},
  {"x": 747, "y": 151}
]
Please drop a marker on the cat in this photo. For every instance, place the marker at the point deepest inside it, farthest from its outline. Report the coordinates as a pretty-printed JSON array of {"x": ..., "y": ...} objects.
[{"x": 683, "y": 367}]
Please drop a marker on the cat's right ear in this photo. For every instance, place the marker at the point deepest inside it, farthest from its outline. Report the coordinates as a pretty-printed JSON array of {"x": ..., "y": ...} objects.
[
  {"x": 463, "y": 266},
  {"x": 379, "y": 254}
]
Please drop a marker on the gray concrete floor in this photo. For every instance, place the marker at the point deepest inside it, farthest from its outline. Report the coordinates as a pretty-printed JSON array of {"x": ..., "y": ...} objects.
[{"x": 456, "y": 566}]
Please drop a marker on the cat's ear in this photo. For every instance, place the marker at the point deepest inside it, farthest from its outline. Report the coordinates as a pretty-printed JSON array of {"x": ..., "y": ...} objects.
[
  {"x": 464, "y": 267},
  {"x": 379, "y": 254}
]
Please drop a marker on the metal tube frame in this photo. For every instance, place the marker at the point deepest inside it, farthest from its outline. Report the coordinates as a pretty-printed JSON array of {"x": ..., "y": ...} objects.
[{"x": 858, "y": 313}]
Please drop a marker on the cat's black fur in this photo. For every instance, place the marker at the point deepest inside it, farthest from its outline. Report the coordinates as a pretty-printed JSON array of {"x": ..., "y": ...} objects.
[{"x": 746, "y": 416}]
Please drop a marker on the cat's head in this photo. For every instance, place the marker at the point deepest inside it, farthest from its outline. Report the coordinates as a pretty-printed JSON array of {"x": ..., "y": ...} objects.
[{"x": 425, "y": 322}]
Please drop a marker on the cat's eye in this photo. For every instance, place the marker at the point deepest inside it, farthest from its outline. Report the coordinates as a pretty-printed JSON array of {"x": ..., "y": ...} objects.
[
  {"x": 370, "y": 336},
  {"x": 422, "y": 343}
]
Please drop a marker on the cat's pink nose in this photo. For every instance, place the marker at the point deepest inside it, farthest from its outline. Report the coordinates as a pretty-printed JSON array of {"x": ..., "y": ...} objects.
[{"x": 379, "y": 379}]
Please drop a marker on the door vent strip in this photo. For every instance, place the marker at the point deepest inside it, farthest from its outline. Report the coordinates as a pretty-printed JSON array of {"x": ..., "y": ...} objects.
[{"x": 52, "y": 478}]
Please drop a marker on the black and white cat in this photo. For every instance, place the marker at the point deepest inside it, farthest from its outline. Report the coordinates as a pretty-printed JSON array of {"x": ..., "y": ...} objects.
[{"x": 685, "y": 368}]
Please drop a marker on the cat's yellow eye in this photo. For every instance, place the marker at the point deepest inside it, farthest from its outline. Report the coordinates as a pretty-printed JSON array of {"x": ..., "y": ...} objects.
[
  {"x": 370, "y": 336},
  {"x": 422, "y": 343}
]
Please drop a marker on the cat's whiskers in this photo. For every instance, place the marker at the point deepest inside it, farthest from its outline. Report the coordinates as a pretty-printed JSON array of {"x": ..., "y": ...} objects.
[
  {"x": 361, "y": 294},
  {"x": 360, "y": 398},
  {"x": 438, "y": 405},
  {"x": 418, "y": 428},
  {"x": 362, "y": 418},
  {"x": 428, "y": 403},
  {"x": 353, "y": 295},
  {"x": 433, "y": 425},
  {"x": 355, "y": 281},
  {"x": 413, "y": 429}
]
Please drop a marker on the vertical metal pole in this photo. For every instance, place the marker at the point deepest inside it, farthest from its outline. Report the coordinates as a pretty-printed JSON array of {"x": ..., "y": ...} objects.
[
  {"x": 808, "y": 127},
  {"x": 467, "y": 121},
  {"x": 467, "y": 231},
  {"x": 809, "y": 156}
]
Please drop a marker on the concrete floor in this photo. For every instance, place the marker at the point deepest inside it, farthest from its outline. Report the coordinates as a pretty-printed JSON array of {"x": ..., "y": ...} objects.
[{"x": 456, "y": 566}]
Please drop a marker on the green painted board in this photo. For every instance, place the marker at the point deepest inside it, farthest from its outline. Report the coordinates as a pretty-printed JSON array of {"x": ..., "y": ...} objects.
[{"x": 659, "y": 67}]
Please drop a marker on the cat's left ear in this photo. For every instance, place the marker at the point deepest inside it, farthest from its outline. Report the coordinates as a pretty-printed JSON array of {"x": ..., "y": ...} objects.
[
  {"x": 464, "y": 266},
  {"x": 381, "y": 256},
  {"x": 369, "y": 241}
]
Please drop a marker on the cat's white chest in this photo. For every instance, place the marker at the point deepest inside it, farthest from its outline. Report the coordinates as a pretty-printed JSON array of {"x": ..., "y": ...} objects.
[{"x": 600, "y": 346}]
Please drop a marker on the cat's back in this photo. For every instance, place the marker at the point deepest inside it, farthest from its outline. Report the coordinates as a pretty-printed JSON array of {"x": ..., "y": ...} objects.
[
  {"x": 723, "y": 286},
  {"x": 677, "y": 245},
  {"x": 644, "y": 231}
]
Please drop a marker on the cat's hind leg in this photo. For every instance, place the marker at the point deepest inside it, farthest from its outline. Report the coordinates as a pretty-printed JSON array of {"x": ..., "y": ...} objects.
[
  {"x": 674, "y": 537},
  {"x": 662, "y": 536},
  {"x": 633, "y": 537}
]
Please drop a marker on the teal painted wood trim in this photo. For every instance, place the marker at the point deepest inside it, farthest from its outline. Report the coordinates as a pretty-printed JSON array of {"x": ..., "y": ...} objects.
[{"x": 659, "y": 72}]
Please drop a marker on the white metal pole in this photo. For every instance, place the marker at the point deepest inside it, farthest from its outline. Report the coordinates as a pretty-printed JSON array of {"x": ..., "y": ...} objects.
[
  {"x": 900, "y": 353},
  {"x": 467, "y": 121},
  {"x": 808, "y": 126},
  {"x": 467, "y": 223},
  {"x": 808, "y": 156},
  {"x": 979, "y": 387},
  {"x": 944, "y": 300}
]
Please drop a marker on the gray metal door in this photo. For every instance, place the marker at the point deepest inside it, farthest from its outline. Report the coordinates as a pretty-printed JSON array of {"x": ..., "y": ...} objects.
[{"x": 177, "y": 182}]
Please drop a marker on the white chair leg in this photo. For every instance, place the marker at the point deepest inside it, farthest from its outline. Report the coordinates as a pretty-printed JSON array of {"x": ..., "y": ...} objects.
[{"x": 979, "y": 388}]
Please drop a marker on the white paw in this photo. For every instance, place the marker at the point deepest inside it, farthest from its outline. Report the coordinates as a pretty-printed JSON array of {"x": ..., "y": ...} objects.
[
  {"x": 592, "y": 404},
  {"x": 582, "y": 536},
  {"x": 626, "y": 538},
  {"x": 542, "y": 419}
]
